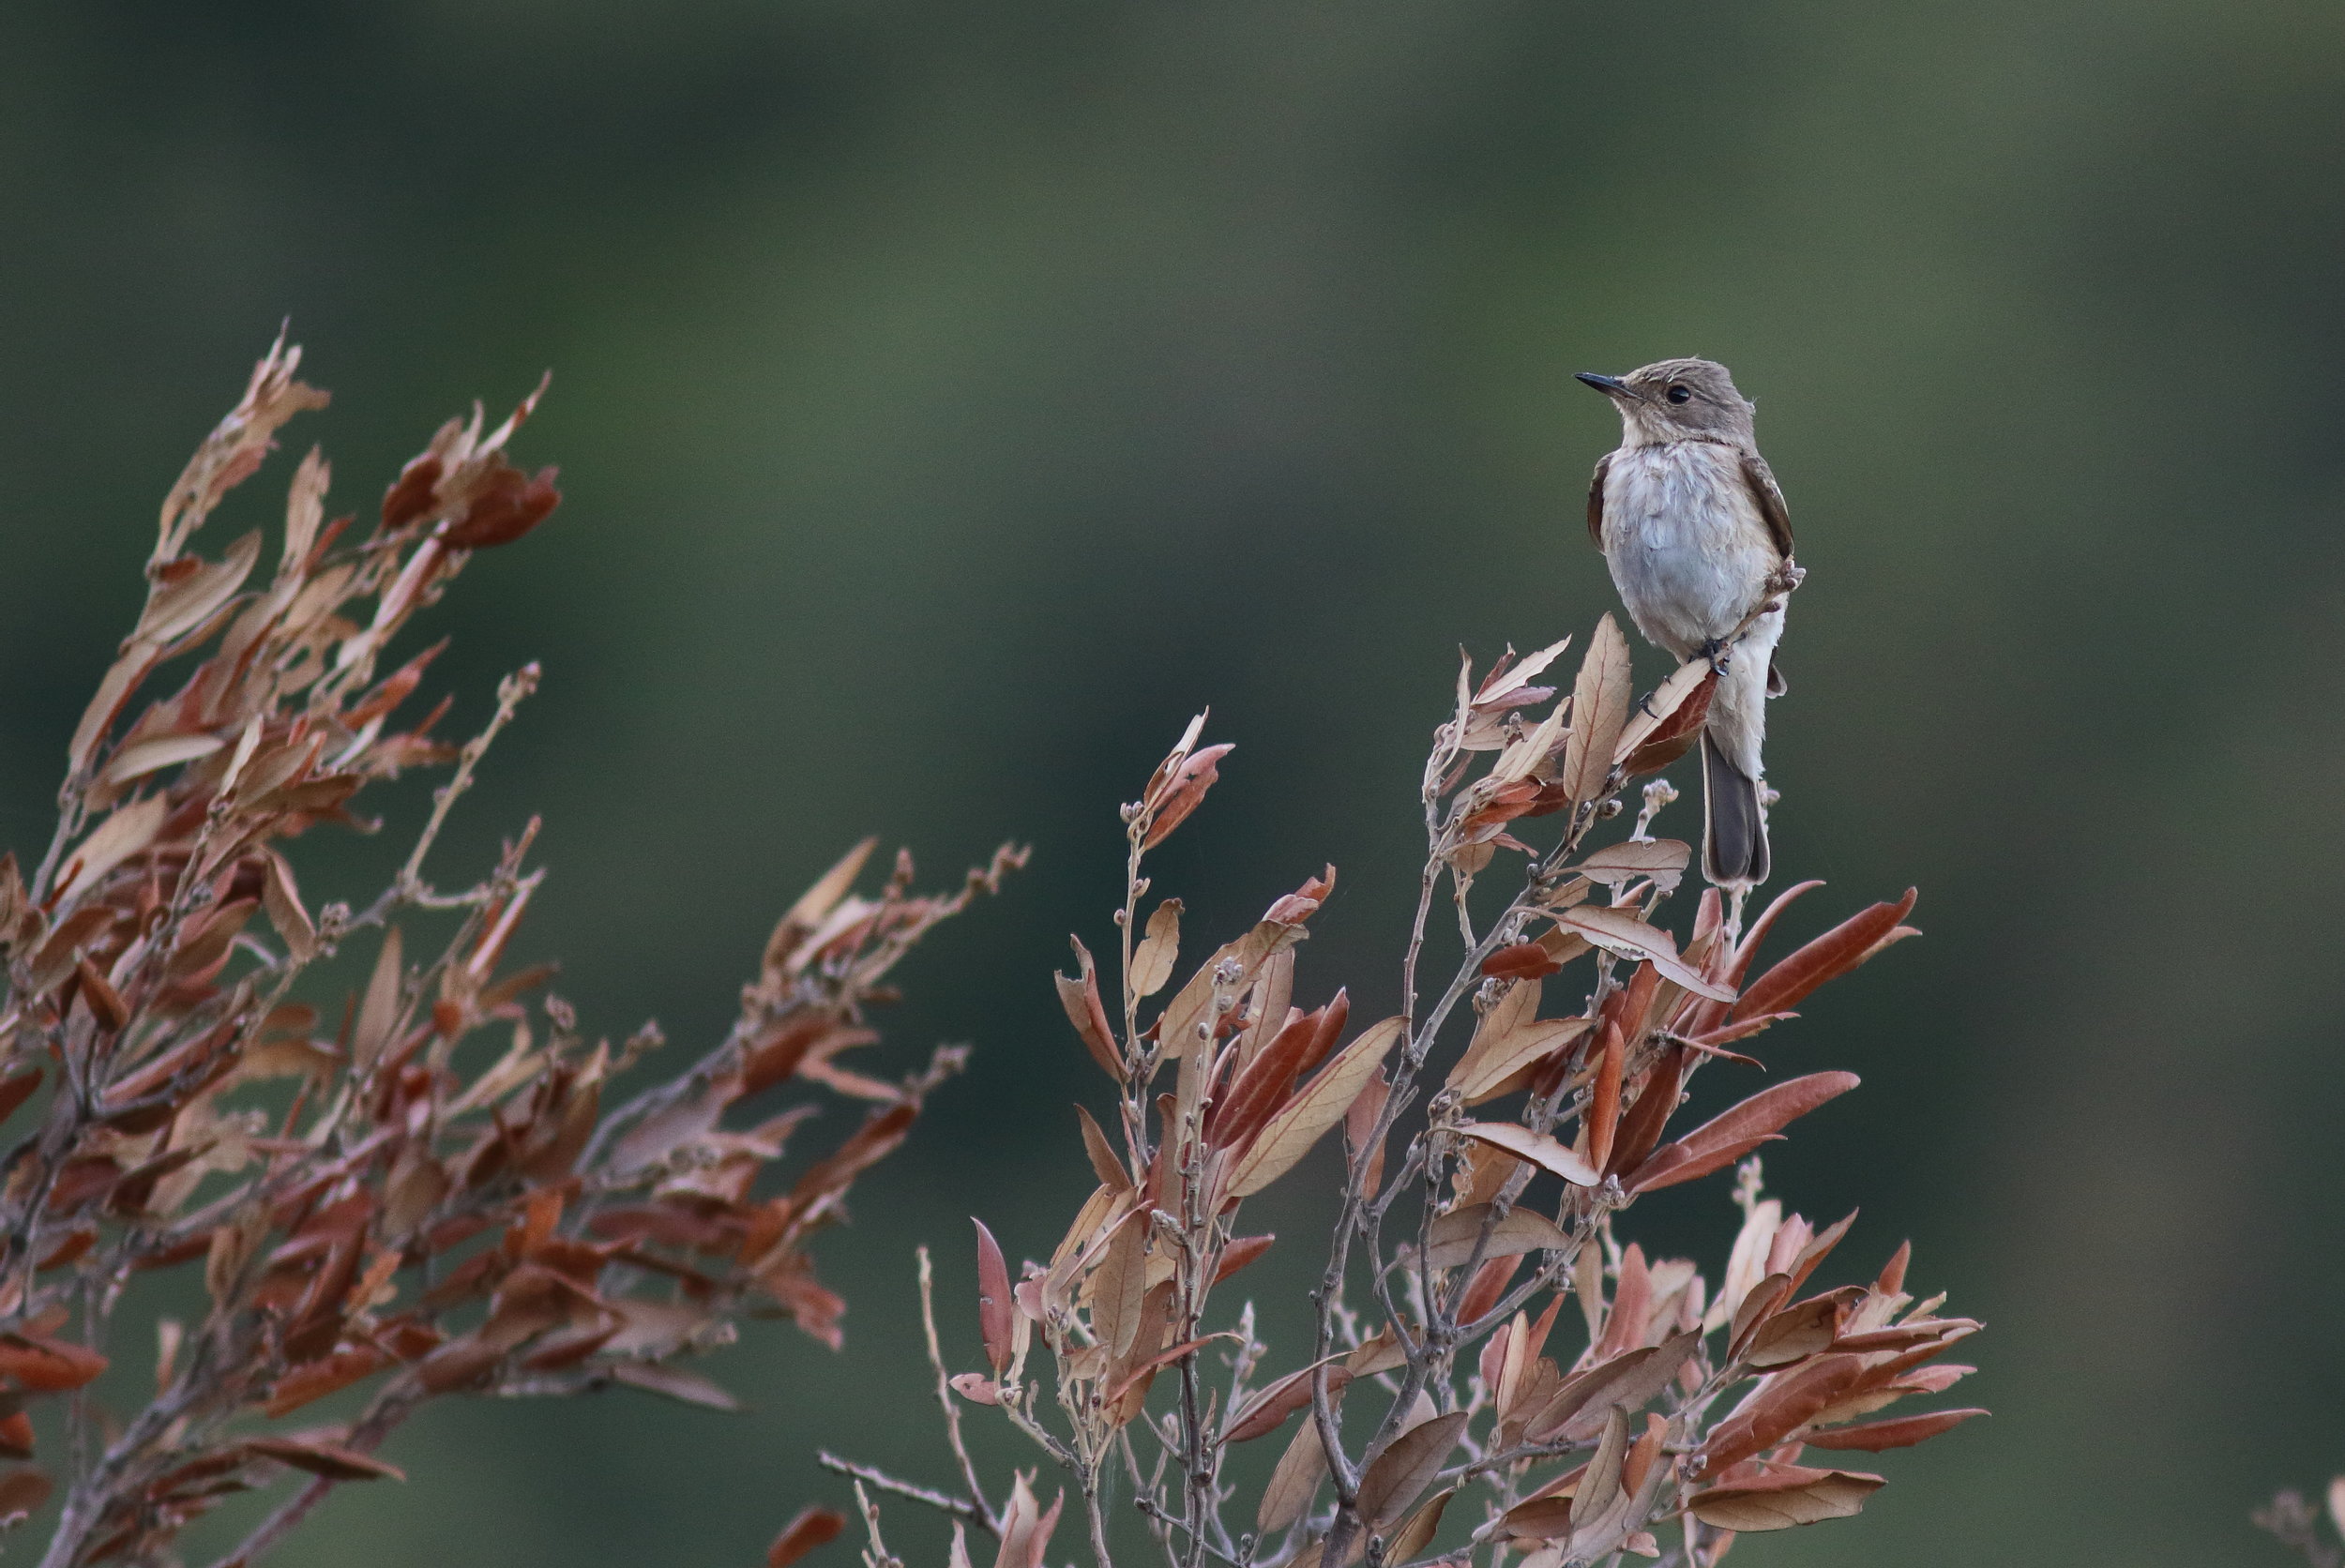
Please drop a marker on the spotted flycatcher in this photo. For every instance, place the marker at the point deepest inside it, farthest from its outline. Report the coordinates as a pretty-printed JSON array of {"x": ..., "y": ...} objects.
[{"x": 1690, "y": 520}]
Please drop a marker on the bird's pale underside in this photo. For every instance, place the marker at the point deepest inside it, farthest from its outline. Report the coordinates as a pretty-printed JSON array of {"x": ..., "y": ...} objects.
[{"x": 1695, "y": 531}]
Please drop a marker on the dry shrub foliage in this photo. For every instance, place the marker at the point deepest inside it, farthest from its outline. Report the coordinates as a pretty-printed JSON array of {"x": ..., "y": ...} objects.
[
  {"x": 420, "y": 1191},
  {"x": 1450, "y": 1407}
]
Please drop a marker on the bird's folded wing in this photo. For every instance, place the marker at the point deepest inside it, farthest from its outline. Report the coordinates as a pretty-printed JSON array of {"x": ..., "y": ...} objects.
[{"x": 1763, "y": 490}]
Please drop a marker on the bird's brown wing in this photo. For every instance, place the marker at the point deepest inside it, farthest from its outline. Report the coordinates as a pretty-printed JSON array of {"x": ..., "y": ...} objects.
[
  {"x": 1769, "y": 495},
  {"x": 1595, "y": 500}
]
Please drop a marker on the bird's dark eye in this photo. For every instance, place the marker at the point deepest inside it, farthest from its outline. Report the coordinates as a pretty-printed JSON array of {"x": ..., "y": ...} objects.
[{"x": 1680, "y": 394}]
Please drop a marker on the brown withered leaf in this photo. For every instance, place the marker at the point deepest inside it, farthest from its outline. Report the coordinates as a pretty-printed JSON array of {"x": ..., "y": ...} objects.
[
  {"x": 282, "y": 898},
  {"x": 1026, "y": 1529},
  {"x": 674, "y": 1382},
  {"x": 1599, "y": 1489},
  {"x": 320, "y": 1458},
  {"x": 1799, "y": 1331},
  {"x": 1599, "y": 708},
  {"x": 813, "y": 909},
  {"x": 1183, "y": 792},
  {"x": 1296, "y": 1477},
  {"x": 1241, "y": 1251},
  {"x": 1242, "y": 1109},
  {"x": 1626, "y": 1381},
  {"x": 47, "y": 1366},
  {"x": 1380, "y": 1351},
  {"x": 1791, "y": 1494},
  {"x": 1827, "y": 958},
  {"x": 1818, "y": 1248},
  {"x": 1268, "y": 1411},
  {"x": 1101, "y": 1153},
  {"x": 1152, "y": 961},
  {"x": 1756, "y": 1305},
  {"x": 1779, "y": 1406},
  {"x": 1312, "y": 1109},
  {"x": 378, "y": 1014},
  {"x": 1510, "y": 1037},
  {"x": 1455, "y": 1233},
  {"x": 23, "y": 1491},
  {"x": 813, "y": 1527},
  {"x": 995, "y": 1307},
  {"x": 1877, "y": 1436},
  {"x": 1540, "y": 1149},
  {"x": 1662, "y": 727},
  {"x": 1118, "y": 1285},
  {"x": 127, "y": 832},
  {"x": 976, "y": 1388},
  {"x": 1522, "y": 757},
  {"x": 1620, "y": 932},
  {"x": 1735, "y": 1133},
  {"x": 1662, "y": 861},
  {"x": 1078, "y": 993},
  {"x": 1396, "y": 1477},
  {"x": 1503, "y": 688},
  {"x": 178, "y": 605},
  {"x": 1417, "y": 1530},
  {"x": 1519, "y": 960},
  {"x": 16, "y": 1089},
  {"x": 140, "y": 758},
  {"x": 1601, "y": 1117}
]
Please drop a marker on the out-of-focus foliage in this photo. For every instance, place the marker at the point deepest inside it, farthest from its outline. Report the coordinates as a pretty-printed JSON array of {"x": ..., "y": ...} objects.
[{"x": 952, "y": 400}]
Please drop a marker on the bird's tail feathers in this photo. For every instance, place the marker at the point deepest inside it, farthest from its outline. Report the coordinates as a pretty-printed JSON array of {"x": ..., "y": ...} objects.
[{"x": 1734, "y": 822}]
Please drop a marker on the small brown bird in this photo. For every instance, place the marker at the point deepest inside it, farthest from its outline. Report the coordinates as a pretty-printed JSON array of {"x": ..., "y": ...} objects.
[{"x": 1693, "y": 526}]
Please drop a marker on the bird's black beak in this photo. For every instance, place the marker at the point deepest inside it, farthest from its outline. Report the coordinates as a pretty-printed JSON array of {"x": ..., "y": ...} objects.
[{"x": 1612, "y": 386}]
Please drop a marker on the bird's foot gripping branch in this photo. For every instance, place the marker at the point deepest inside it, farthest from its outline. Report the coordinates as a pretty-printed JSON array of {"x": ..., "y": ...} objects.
[
  {"x": 1497, "y": 1366},
  {"x": 383, "y": 1184}
]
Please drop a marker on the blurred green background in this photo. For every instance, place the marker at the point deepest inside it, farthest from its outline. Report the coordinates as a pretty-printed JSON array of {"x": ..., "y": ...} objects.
[{"x": 952, "y": 398}]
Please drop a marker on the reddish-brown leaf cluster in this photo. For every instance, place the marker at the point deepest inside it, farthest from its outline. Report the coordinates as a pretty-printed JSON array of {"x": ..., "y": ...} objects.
[
  {"x": 1517, "y": 1149},
  {"x": 424, "y": 1183}
]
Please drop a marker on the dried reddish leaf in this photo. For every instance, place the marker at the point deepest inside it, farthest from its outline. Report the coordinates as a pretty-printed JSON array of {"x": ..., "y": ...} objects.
[
  {"x": 1599, "y": 709},
  {"x": 1735, "y": 1133},
  {"x": 16, "y": 1089},
  {"x": 1152, "y": 959},
  {"x": 1317, "y": 1106},
  {"x": 1641, "y": 1128},
  {"x": 1183, "y": 792},
  {"x": 1078, "y": 993},
  {"x": 1241, "y": 1251},
  {"x": 1540, "y": 1149},
  {"x": 1104, "y": 1163},
  {"x": 320, "y": 1458},
  {"x": 1827, "y": 958},
  {"x": 1790, "y": 1496},
  {"x": 976, "y": 1388},
  {"x": 1626, "y": 1381},
  {"x": 1522, "y": 961},
  {"x": 813, "y": 1527},
  {"x": 1025, "y": 1529},
  {"x": 1396, "y": 1477},
  {"x": 1456, "y": 1234},
  {"x": 22, "y": 1492},
  {"x": 1602, "y": 1115},
  {"x": 994, "y": 1300},
  {"x": 1268, "y": 1411},
  {"x": 47, "y": 1366},
  {"x": 1876, "y": 1436}
]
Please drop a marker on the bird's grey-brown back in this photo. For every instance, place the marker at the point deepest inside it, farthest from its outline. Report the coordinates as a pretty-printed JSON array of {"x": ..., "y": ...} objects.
[{"x": 1695, "y": 533}]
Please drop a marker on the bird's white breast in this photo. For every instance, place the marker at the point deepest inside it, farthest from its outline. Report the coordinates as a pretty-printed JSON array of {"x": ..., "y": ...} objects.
[{"x": 1687, "y": 547}]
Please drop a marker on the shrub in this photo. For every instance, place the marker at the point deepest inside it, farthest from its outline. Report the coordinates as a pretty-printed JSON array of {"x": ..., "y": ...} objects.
[
  {"x": 421, "y": 1191},
  {"x": 1490, "y": 1152}
]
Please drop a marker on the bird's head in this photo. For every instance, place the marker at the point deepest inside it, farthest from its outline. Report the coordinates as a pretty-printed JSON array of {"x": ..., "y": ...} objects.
[{"x": 1678, "y": 400}]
